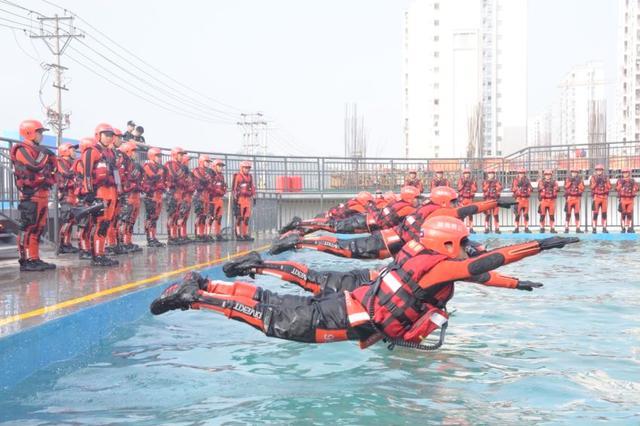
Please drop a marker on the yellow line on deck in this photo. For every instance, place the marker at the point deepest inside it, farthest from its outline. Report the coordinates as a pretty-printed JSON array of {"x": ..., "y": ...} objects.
[{"x": 118, "y": 289}]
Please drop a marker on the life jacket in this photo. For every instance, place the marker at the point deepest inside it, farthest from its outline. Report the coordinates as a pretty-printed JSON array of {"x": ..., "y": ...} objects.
[
  {"x": 154, "y": 177},
  {"x": 175, "y": 175},
  {"x": 435, "y": 182},
  {"x": 38, "y": 169},
  {"x": 573, "y": 186},
  {"x": 548, "y": 189},
  {"x": 380, "y": 203},
  {"x": 409, "y": 228},
  {"x": 202, "y": 178},
  {"x": 522, "y": 187},
  {"x": 627, "y": 188},
  {"x": 135, "y": 177},
  {"x": 125, "y": 166},
  {"x": 398, "y": 300},
  {"x": 188, "y": 184},
  {"x": 391, "y": 215},
  {"x": 99, "y": 163},
  {"x": 466, "y": 188},
  {"x": 243, "y": 185},
  {"x": 491, "y": 189},
  {"x": 66, "y": 176},
  {"x": 218, "y": 185},
  {"x": 600, "y": 185},
  {"x": 416, "y": 183}
]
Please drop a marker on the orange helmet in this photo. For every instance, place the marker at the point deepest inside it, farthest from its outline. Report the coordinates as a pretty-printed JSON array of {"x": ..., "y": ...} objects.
[
  {"x": 522, "y": 170},
  {"x": 154, "y": 154},
  {"x": 29, "y": 128},
  {"x": 364, "y": 198},
  {"x": 575, "y": 169},
  {"x": 490, "y": 171},
  {"x": 185, "y": 159},
  {"x": 412, "y": 170},
  {"x": 409, "y": 193},
  {"x": 128, "y": 148},
  {"x": 102, "y": 128},
  {"x": 439, "y": 169},
  {"x": 378, "y": 194},
  {"x": 245, "y": 164},
  {"x": 203, "y": 160},
  {"x": 390, "y": 197},
  {"x": 466, "y": 171},
  {"x": 599, "y": 167},
  {"x": 175, "y": 152},
  {"x": 626, "y": 170},
  {"x": 443, "y": 196},
  {"x": 547, "y": 172},
  {"x": 218, "y": 162},
  {"x": 86, "y": 143},
  {"x": 444, "y": 235},
  {"x": 66, "y": 150},
  {"x": 117, "y": 132}
]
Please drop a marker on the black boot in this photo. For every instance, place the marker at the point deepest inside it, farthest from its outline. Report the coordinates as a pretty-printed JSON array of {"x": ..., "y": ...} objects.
[
  {"x": 85, "y": 255},
  {"x": 527, "y": 230},
  {"x": 566, "y": 230},
  {"x": 67, "y": 249},
  {"x": 173, "y": 242},
  {"x": 630, "y": 230},
  {"x": 284, "y": 244},
  {"x": 32, "y": 266},
  {"x": 553, "y": 231},
  {"x": 46, "y": 265},
  {"x": 623, "y": 230},
  {"x": 579, "y": 231},
  {"x": 179, "y": 295},
  {"x": 604, "y": 231},
  {"x": 542, "y": 230},
  {"x": 248, "y": 238},
  {"x": 220, "y": 238},
  {"x": 516, "y": 231},
  {"x": 293, "y": 224},
  {"x": 104, "y": 261},
  {"x": 243, "y": 265}
]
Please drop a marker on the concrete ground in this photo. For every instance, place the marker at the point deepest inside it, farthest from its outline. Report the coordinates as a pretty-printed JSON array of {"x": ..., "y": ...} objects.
[{"x": 30, "y": 298}]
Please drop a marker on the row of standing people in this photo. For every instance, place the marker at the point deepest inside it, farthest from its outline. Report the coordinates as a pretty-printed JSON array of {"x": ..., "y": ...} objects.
[
  {"x": 107, "y": 180},
  {"x": 547, "y": 192}
]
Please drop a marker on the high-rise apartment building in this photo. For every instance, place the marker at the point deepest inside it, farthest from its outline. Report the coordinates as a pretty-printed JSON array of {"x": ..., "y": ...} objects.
[
  {"x": 465, "y": 77},
  {"x": 628, "y": 79}
]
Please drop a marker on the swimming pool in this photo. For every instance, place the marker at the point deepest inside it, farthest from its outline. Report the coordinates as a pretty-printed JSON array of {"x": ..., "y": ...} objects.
[{"x": 569, "y": 352}]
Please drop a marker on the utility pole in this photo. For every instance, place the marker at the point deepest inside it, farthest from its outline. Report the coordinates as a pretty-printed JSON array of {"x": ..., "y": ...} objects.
[
  {"x": 57, "y": 42},
  {"x": 253, "y": 125}
]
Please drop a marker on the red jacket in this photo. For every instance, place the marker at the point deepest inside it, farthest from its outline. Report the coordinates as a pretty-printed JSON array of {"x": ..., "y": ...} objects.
[{"x": 243, "y": 185}]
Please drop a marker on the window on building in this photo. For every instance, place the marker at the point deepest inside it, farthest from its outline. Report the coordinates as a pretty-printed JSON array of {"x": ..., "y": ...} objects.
[
  {"x": 436, "y": 38},
  {"x": 436, "y": 54},
  {"x": 436, "y": 101},
  {"x": 436, "y": 6},
  {"x": 436, "y": 23},
  {"x": 436, "y": 69},
  {"x": 437, "y": 133},
  {"x": 436, "y": 85}
]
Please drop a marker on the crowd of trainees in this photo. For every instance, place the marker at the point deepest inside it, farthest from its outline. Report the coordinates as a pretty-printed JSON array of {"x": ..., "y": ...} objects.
[
  {"x": 547, "y": 191},
  {"x": 101, "y": 186}
]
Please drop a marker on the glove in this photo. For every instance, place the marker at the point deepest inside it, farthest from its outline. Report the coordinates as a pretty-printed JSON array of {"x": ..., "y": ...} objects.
[
  {"x": 90, "y": 197},
  {"x": 528, "y": 285},
  {"x": 507, "y": 203},
  {"x": 556, "y": 242}
]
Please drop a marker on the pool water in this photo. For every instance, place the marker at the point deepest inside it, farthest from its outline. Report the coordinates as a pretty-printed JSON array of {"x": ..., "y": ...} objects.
[{"x": 567, "y": 353}]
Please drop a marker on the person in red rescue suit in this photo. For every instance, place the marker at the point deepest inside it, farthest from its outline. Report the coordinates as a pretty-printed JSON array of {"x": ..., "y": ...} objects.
[
  {"x": 573, "y": 189},
  {"x": 467, "y": 188},
  {"x": 403, "y": 304},
  {"x": 153, "y": 186},
  {"x": 244, "y": 192},
  {"x": 627, "y": 189},
  {"x": 522, "y": 189},
  {"x": 202, "y": 177},
  {"x": 65, "y": 180},
  {"x": 387, "y": 242},
  {"x": 85, "y": 224},
  {"x": 600, "y": 187},
  {"x": 184, "y": 210},
  {"x": 388, "y": 217},
  {"x": 175, "y": 184},
  {"x": 439, "y": 179},
  {"x": 547, "y": 195},
  {"x": 491, "y": 189},
  {"x": 34, "y": 169},
  {"x": 131, "y": 174},
  {"x": 114, "y": 244},
  {"x": 413, "y": 180},
  {"x": 218, "y": 190},
  {"x": 100, "y": 178}
]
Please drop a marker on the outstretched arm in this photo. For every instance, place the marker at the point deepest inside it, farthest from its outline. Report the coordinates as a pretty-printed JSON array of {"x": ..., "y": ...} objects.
[{"x": 495, "y": 279}]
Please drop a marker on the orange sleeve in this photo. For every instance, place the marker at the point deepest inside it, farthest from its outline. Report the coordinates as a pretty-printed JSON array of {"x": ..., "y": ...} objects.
[
  {"x": 465, "y": 211},
  {"x": 87, "y": 179},
  {"x": 452, "y": 270},
  {"x": 495, "y": 279}
]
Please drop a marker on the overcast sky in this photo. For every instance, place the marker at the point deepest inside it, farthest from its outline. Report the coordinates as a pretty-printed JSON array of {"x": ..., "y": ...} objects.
[{"x": 297, "y": 61}]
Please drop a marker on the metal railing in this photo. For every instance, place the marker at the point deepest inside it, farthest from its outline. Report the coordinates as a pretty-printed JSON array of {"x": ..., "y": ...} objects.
[{"x": 327, "y": 177}]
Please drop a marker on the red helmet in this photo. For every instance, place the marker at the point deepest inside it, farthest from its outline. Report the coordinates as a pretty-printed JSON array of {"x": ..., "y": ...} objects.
[
  {"x": 218, "y": 162},
  {"x": 443, "y": 196},
  {"x": 29, "y": 128},
  {"x": 444, "y": 235},
  {"x": 439, "y": 169},
  {"x": 490, "y": 171},
  {"x": 128, "y": 148},
  {"x": 364, "y": 198},
  {"x": 102, "y": 128},
  {"x": 409, "y": 193},
  {"x": 117, "y": 132},
  {"x": 466, "y": 171},
  {"x": 245, "y": 164},
  {"x": 547, "y": 172},
  {"x": 599, "y": 167},
  {"x": 175, "y": 152},
  {"x": 154, "y": 154},
  {"x": 626, "y": 170},
  {"x": 390, "y": 197},
  {"x": 413, "y": 170},
  {"x": 522, "y": 170},
  {"x": 66, "y": 150},
  {"x": 86, "y": 143},
  {"x": 203, "y": 160},
  {"x": 575, "y": 169}
]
